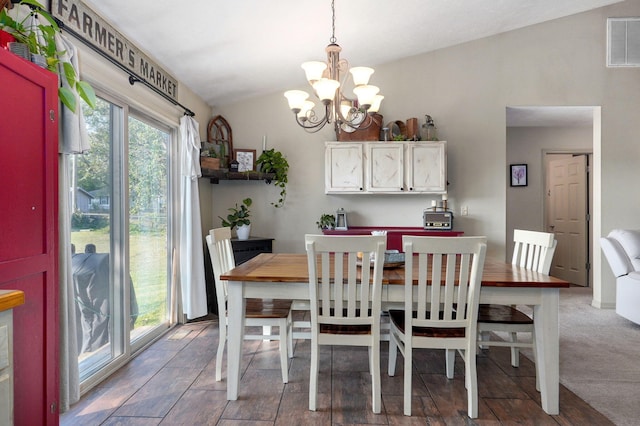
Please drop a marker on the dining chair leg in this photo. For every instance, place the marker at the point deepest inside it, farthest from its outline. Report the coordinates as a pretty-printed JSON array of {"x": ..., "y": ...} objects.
[
  {"x": 284, "y": 351},
  {"x": 266, "y": 331},
  {"x": 376, "y": 381},
  {"x": 450, "y": 362},
  {"x": 313, "y": 378},
  {"x": 408, "y": 369},
  {"x": 222, "y": 339},
  {"x": 471, "y": 380},
  {"x": 515, "y": 352},
  {"x": 393, "y": 356},
  {"x": 290, "y": 335}
]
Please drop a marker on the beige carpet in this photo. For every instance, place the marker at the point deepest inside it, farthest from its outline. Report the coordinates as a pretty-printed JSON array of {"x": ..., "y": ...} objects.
[{"x": 600, "y": 357}]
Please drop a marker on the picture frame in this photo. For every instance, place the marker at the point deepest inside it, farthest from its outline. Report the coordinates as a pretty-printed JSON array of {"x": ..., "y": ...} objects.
[
  {"x": 519, "y": 176},
  {"x": 246, "y": 159}
]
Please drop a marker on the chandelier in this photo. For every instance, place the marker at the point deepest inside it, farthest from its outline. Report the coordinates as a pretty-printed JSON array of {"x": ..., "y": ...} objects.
[{"x": 328, "y": 81}]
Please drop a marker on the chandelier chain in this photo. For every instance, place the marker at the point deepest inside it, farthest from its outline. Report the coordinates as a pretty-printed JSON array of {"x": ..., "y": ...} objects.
[{"x": 333, "y": 39}]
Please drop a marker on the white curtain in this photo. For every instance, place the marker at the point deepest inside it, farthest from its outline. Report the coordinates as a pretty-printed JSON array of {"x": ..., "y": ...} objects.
[
  {"x": 192, "y": 281},
  {"x": 73, "y": 139}
]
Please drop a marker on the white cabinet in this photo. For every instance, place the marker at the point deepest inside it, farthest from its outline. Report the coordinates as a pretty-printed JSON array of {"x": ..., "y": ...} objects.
[
  {"x": 386, "y": 168},
  {"x": 343, "y": 164},
  {"x": 426, "y": 169}
]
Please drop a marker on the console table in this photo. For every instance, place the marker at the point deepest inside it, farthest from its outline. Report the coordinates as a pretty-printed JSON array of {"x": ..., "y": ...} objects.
[
  {"x": 394, "y": 233},
  {"x": 244, "y": 250}
]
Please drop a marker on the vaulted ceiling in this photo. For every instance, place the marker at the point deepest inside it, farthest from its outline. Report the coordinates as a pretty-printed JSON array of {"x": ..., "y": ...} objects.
[{"x": 226, "y": 51}]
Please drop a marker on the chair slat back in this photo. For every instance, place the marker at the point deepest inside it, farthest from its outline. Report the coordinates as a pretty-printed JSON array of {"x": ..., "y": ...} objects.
[
  {"x": 445, "y": 293},
  {"x": 338, "y": 266},
  {"x": 533, "y": 250},
  {"x": 222, "y": 260}
]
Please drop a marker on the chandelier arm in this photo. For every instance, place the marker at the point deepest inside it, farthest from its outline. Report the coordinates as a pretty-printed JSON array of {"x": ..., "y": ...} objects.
[{"x": 312, "y": 122}]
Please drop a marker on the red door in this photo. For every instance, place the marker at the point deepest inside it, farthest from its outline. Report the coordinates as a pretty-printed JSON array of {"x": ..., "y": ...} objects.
[{"x": 29, "y": 231}]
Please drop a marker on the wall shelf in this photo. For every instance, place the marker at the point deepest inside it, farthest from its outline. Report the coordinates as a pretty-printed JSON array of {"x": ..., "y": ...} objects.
[{"x": 215, "y": 176}]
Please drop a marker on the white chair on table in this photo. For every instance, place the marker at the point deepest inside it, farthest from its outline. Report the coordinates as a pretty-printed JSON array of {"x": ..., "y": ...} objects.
[
  {"x": 259, "y": 312},
  {"x": 532, "y": 250},
  {"x": 345, "y": 310},
  {"x": 441, "y": 310}
]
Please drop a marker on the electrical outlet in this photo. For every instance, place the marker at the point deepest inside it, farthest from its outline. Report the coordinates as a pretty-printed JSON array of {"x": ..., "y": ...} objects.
[{"x": 464, "y": 211}]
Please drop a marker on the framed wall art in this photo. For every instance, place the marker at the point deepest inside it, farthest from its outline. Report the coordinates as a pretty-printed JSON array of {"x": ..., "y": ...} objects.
[
  {"x": 246, "y": 159},
  {"x": 519, "y": 175}
]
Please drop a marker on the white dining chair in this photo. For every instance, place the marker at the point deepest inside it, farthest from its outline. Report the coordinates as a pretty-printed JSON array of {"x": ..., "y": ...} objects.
[
  {"x": 345, "y": 291},
  {"x": 532, "y": 250},
  {"x": 259, "y": 312},
  {"x": 440, "y": 307}
]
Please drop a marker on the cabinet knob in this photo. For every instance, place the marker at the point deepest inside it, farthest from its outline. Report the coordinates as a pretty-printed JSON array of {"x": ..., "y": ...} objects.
[
  {"x": 410, "y": 188},
  {"x": 360, "y": 188}
]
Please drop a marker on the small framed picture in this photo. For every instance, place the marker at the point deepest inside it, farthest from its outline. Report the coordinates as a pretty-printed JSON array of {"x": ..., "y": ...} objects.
[
  {"x": 246, "y": 159},
  {"x": 518, "y": 175}
]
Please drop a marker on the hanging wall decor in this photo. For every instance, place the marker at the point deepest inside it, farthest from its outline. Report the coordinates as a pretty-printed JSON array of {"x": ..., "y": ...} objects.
[{"x": 519, "y": 175}]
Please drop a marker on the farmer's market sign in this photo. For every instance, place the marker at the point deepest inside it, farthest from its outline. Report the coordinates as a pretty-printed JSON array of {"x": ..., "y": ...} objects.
[{"x": 78, "y": 19}]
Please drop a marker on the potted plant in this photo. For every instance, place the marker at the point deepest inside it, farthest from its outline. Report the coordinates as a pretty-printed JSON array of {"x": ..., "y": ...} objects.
[
  {"x": 327, "y": 221},
  {"x": 239, "y": 218},
  {"x": 40, "y": 40},
  {"x": 209, "y": 160},
  {"x": 272, "y": 161}
]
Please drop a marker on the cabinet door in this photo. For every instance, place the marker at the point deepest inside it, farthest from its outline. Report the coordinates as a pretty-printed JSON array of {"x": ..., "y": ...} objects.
[
  {"x": 427, "y": 167},
  {"x": 343, "y": 167},
  {"x": 29, "y": 242},
  {"x": 384, "y": 170}
]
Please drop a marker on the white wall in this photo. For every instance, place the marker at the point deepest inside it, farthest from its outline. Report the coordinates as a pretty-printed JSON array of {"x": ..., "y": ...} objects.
[{"x": 465, "y": 89}]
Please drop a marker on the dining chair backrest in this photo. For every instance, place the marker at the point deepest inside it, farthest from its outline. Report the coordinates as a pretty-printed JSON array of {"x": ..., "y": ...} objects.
[
  {"x": 445, "y": 293},
  {"x": 222, "y": 260},
  {"x": 338, "y": 265},
  {"x": 533, "y": 250}
]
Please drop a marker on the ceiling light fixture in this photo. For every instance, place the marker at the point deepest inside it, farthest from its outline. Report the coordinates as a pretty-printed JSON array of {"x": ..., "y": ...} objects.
[{"x": 328, "y": 82}]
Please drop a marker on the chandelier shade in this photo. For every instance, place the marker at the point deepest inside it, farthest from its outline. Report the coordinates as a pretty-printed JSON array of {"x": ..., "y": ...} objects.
[{"x": 329, "y": 80}]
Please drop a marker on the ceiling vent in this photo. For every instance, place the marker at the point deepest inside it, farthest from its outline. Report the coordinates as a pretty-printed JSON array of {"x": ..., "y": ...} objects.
[{"x": 623, "y": 42}]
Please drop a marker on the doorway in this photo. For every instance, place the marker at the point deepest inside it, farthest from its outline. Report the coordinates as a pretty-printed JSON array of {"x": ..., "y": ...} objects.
[{"x": 533, "y": 134}]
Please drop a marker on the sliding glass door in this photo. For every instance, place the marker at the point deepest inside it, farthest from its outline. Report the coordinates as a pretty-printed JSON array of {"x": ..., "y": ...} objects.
[{"x": 120, "y": 236}]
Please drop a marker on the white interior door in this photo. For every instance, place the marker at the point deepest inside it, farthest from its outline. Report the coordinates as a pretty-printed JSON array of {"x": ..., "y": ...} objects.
[{"x": 566, "y": 212}]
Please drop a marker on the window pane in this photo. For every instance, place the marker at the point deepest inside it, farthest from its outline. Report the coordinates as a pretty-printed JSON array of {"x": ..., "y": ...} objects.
[
  {"x": 91, "y": 191},
  {"x": 148, "y": 253}
]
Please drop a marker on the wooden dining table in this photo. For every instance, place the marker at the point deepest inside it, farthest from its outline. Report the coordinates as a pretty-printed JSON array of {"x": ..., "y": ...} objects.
[{"x": 285, "y": 276}]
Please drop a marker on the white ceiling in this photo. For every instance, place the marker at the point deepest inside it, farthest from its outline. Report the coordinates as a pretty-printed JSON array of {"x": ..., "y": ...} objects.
[{"x": 226, "y": 51}]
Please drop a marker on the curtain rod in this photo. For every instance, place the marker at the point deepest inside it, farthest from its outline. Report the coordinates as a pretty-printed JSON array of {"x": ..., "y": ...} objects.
[{"x": 133, "y": 78}]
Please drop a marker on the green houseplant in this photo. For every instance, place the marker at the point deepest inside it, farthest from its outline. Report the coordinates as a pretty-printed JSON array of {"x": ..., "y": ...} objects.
[
  {"x": 40, "y": 40},
  {"x": 327, "y": 221},
  {"x": 239, "y": 218},
  {"x": 272, "y": 161}
]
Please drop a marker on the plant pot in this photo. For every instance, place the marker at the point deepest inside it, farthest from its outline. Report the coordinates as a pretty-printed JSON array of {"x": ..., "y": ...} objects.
[
  {"x": 39, "y": 60},
  {"x": 210, "y": 163},
  {"x": 20, "y": 49},
  {"x": 243, "y": 232}
]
